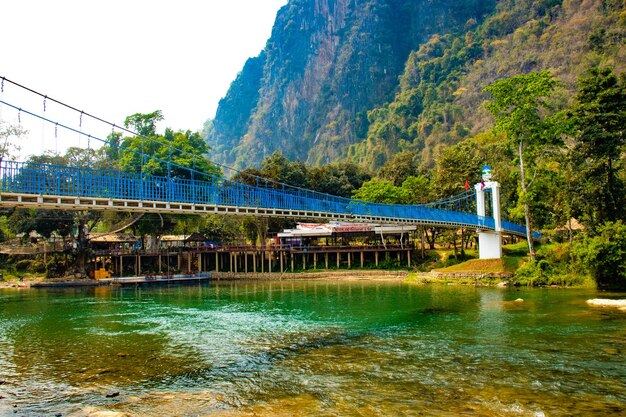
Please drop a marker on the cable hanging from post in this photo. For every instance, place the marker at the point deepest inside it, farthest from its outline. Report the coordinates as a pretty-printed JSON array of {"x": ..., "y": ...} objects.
[
  {"x": 136, "y": 134},
  {"x": 89, "y": 136},
  {"x": 236, "y": 194},
  {"x": 268, "y": 182},
  {"x": 118, "y": 155},
  {"x": 80, "y": 128},
  {"x": 43, "y": 125},
  {"x": 1, "y": 95},
  {"x": 56, "y": 146}
]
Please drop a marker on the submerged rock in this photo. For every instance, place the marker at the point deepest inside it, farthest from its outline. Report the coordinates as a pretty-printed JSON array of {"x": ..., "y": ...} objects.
[
  {"x": 107, "y": 414},
  {"x": 95, "y": 412},
  {"x": 606, "y": 302}
]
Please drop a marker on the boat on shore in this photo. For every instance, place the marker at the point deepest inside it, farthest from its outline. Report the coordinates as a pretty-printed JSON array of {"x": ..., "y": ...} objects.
[
  {"x": 130, "y": 280},
  {"x": 157, "y": 278}
]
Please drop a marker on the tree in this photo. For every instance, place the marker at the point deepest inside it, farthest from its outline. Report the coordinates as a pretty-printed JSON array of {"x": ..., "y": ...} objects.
[
  {"x": 170, "y": 155},
  {"x": 339, "y": 179},
  {"x": 9, "y": 132},
  {"x": 282, "y": 171},
  {"x": 417, "y": 190},
  {"x": 173, "y": 154},
  {"x": 144, "y": 124},
  {"x": 112, "y": 152},
  {"x": 455, "y": 165},
  {"x": 250, "y": 176},
  {"x": 604, "y": 255},
  {"x": 223, "y": 229},
  {"x": 380, "y": 191},
  {"x": 398, "y": 169},
  {"x": 44, "y": 222},
  {"x": 520, "y": 108},
  {"x": 599, "y": 116}
]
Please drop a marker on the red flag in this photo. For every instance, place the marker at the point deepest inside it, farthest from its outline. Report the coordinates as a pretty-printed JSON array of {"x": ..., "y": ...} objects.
[{"x": 466, "y": 185}]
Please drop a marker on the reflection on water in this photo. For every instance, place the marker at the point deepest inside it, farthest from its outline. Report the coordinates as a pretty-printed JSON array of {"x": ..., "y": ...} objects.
[{"x": 310, "y": 348}]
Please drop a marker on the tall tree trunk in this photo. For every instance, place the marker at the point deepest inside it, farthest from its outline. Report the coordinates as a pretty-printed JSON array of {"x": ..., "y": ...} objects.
[
  {"x": 432, "y": 237},
  {"x": 456, "y": 255},
  {"x": 529, "y": 231}
]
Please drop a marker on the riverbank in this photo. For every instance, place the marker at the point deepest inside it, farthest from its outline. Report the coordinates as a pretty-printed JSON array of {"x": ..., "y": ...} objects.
[
  {"x": 345, "y": 275},
  {"x": 479, "y": 279}
]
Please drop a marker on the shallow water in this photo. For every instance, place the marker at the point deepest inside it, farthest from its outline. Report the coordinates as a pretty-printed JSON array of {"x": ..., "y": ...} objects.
[{"x": 328, "y": 348}]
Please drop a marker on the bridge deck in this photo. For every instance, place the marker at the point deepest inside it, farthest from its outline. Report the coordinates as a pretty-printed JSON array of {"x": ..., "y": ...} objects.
[{"x": 69, "y": 188}]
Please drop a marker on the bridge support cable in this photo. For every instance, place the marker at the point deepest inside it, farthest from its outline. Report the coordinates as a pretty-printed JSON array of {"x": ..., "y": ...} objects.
[
  {"x": 290, "y": 201},
  {"x": 52, "y": 186},
  {"x": 61, "y": 187}
]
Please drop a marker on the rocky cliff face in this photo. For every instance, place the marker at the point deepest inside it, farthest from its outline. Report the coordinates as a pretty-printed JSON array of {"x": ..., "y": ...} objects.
[{"x": 326, "y": 64}]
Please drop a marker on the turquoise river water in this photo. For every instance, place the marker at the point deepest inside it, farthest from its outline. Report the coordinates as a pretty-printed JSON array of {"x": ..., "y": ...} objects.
[{"x": 310, "y": 348}]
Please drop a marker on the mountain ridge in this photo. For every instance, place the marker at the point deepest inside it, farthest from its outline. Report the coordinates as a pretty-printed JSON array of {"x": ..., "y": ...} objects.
[{"x": 366, "y": 79}]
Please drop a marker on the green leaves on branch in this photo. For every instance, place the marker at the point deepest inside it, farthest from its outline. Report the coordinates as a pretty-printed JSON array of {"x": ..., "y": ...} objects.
[
  {"x": 144, "y": 124},
  {"x": 599, "y": 117},
  {"x": 414, "y": 190},
  {"x": 520, "y": 105},
  {"x": 604, "y": 255},
  {"x": 171, "y": 154}
]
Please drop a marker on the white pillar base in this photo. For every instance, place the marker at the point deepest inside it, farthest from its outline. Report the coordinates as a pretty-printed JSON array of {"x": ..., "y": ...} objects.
[{"x": 489, "y": 245}]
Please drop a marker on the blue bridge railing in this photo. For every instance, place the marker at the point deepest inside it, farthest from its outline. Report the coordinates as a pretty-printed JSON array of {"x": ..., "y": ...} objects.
[{"x": 55, "y": 180}]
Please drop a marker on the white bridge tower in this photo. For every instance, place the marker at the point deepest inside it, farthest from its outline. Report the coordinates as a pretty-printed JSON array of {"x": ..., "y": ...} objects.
[{"x": 489, "y": 242}]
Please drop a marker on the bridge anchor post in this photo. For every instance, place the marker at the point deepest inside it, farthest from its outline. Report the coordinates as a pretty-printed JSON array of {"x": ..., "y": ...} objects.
[{"x": 489, "y": 242}]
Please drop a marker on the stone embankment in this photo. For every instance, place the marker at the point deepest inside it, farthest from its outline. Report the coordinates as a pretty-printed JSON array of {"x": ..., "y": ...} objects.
[{"x": 466, "y": 278}]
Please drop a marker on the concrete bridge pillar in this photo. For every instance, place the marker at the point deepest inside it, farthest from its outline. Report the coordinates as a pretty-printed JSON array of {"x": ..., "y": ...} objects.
[{"x": 489, "y": 242}]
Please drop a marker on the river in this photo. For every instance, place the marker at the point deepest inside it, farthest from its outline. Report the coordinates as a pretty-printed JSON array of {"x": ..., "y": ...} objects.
[{"x": 310, "y": 348}]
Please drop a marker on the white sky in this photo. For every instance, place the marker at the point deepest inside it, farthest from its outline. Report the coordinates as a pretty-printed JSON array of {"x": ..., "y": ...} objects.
[{"x": 115, "y": 58}]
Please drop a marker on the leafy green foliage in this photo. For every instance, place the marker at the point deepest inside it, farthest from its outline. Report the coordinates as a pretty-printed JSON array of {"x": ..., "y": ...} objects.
[
  {"x": 339, "y": 179},
  {"x": 280, "y": 170},
  {"x": 44, "y": 222},
  {"x": 518, "y": 105},
  {"x": 399, "y": 168},
  {"x": 144, "y": 124},
  {"x": 380, "y": 191},
  {"x": 414, "y": 190},
  {"x": 172, "y": 155},
  {"x": 417, "y": 190},
  {"x": 604, "y": 255},
  {"x": 599, "y": 116},
  {"x": 223, "y": 229},
  {"x": 9, "y": 135},
  {"x": 520, "y": 108}
]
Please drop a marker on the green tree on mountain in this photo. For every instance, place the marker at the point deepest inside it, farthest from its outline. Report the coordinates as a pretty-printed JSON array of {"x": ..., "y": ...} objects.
[
  {"x": 521, "y": 109},
  {"x": 599, "y": 116}
]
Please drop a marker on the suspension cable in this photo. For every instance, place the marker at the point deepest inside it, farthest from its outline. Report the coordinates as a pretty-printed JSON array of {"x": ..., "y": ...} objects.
[{"x": 463, "y": 196}]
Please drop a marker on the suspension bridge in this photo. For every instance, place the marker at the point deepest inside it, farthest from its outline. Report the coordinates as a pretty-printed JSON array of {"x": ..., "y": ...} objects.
[{"x": 60, "y": 187}]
